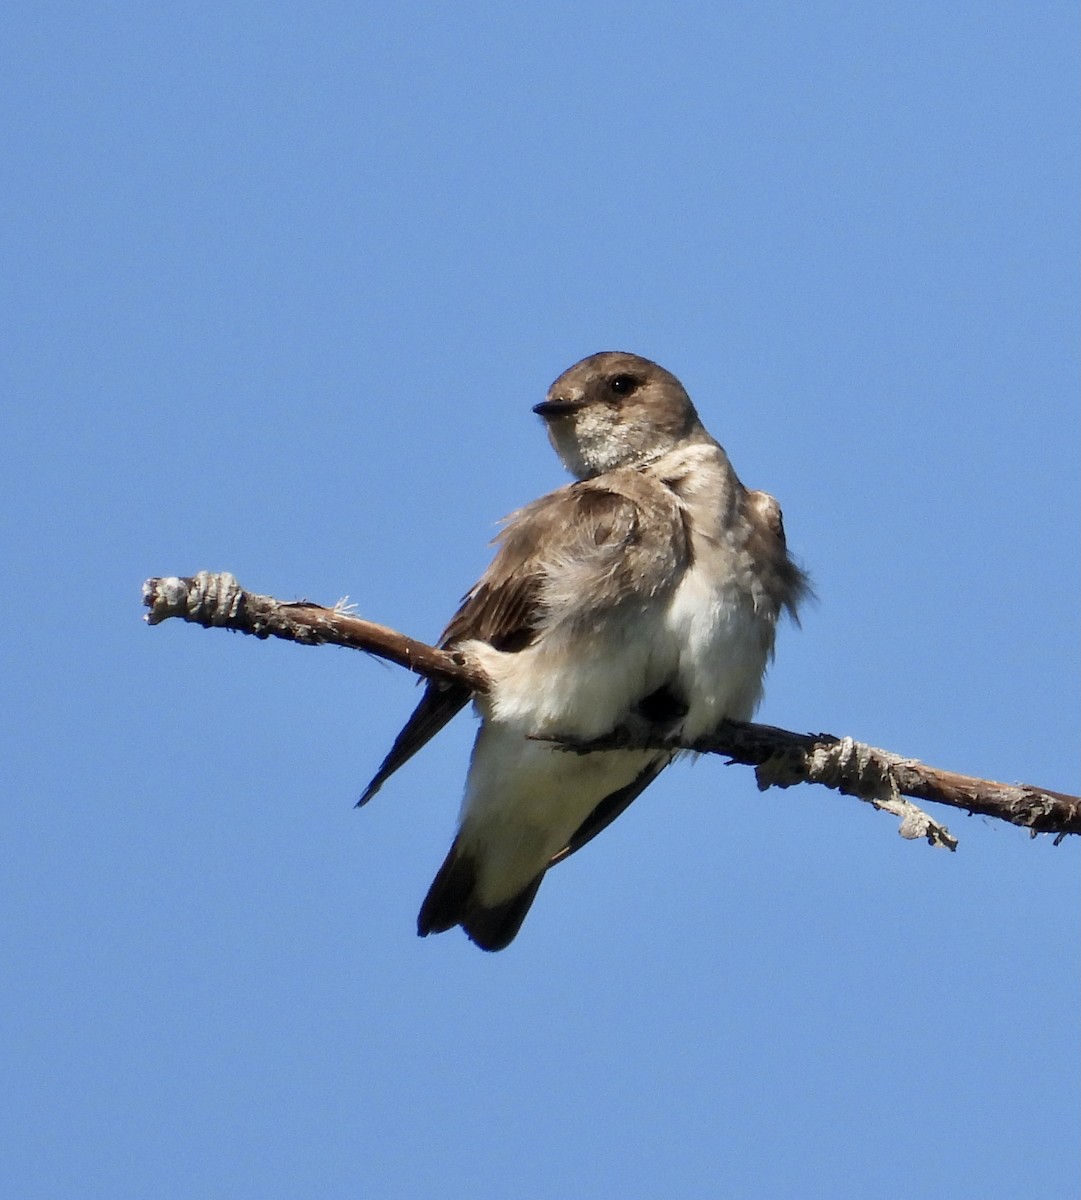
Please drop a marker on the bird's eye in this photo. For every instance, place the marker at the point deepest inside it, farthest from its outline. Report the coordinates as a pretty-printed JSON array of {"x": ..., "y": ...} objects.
[{"x": 623, "y": 385}]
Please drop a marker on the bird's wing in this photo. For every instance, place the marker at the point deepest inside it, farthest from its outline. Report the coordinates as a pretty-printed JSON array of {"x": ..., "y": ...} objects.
[
  {"x": 609, "y": 808},
  {"x": 769, "y": 549},
  {"x": 439, "y": 704},
  {"x": 612, "y": 539}
]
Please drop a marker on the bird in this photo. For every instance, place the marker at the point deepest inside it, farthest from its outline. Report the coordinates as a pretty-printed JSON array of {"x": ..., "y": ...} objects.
[{"x": 642, "y": 597}]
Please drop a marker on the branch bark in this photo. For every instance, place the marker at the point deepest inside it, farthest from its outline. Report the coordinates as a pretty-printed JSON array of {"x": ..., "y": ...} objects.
[{"x": 780, "y": 758}]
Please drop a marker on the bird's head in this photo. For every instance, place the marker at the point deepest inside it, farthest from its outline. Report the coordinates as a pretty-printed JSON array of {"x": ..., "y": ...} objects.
[{"x": 614, "y": 410}]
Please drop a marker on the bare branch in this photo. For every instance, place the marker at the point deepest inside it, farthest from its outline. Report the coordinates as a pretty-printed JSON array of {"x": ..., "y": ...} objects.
[
  {"x": 212, "y": 599},
  {"x": 780, "y": 758}
]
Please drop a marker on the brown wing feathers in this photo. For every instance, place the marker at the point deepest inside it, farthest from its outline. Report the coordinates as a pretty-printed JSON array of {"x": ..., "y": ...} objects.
[{"x": 507, "y": 604}]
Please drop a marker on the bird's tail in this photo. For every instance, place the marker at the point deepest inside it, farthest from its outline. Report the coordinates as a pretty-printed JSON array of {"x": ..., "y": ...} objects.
[{"x": 452, "y": 900}]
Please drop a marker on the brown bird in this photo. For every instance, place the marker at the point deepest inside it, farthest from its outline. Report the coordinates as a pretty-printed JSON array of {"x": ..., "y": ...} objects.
[{"x": 643, "y": 596}]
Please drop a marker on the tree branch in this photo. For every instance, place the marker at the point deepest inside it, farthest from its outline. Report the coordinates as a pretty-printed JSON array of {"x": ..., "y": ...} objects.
[
  {"x": 211, "y": 599},
  {"x": 780, "y": 758}
]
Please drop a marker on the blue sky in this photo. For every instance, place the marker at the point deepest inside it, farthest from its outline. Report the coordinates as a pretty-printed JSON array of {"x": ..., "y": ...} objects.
[{"x": 281, "y": 285}]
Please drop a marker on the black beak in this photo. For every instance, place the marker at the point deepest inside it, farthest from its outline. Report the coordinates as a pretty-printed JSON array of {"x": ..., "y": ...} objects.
[{"x": 560, "y": 406}]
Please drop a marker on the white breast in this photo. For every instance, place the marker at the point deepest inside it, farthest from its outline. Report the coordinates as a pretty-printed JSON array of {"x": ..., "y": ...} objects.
[
  {"x": 583, "y": 686},
  {"x": 722, "y": 645}
]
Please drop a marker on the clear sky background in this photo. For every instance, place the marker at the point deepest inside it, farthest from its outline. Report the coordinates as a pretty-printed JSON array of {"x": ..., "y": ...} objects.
[{"x": 280, "y": 285}]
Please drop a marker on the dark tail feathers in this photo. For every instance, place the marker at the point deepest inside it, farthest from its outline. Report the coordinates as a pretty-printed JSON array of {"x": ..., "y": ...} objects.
[{"x": 452, "y": 900}]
